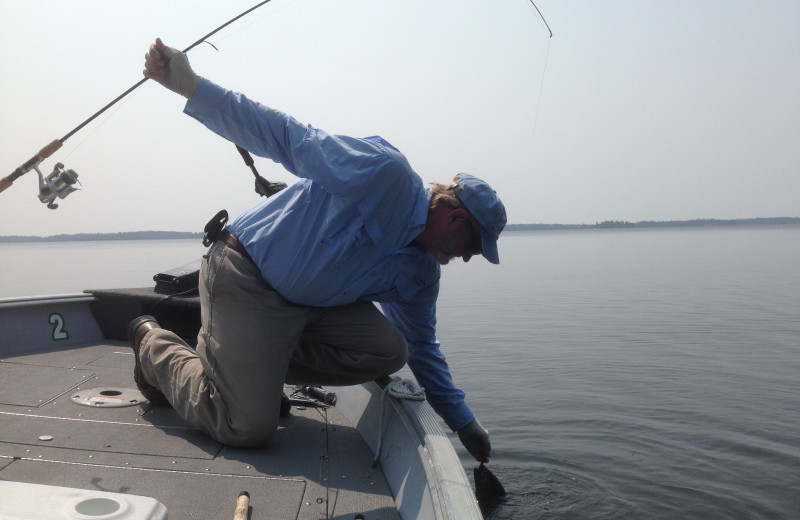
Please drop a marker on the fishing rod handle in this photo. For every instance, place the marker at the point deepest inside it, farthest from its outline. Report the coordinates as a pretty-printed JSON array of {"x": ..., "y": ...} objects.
[
  {"x": 242, "y": 506},
  {"x": 44, "y": 153},
  {"x": 50, "y": 149}
]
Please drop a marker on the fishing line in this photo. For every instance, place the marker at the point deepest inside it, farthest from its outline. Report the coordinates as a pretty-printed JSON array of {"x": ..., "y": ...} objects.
[
  {"x": 541, "y": 86},
  {"x": 255, "y": 21},
  {"x": 94, "y": 130},
  {"x": 110, "y": 115},
  {"x": 544, "y": 68},
  {"x": 141, "y": 81}
]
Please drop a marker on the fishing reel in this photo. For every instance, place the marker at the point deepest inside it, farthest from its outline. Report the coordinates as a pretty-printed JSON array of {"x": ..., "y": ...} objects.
[{"x": 58, "y": 184}]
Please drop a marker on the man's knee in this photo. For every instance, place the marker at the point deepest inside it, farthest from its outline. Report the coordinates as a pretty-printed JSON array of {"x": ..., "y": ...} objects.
[
  {"x": 253, "y": 434},
  {"x": 398, "y": 350}
]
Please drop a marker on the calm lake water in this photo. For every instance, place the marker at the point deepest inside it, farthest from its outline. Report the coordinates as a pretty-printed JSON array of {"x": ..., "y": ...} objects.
[{"x": 641, "y": 374}]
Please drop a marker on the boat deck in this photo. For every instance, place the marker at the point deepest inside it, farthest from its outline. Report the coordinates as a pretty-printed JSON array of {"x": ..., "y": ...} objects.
[{"x": 317, "y": 466}]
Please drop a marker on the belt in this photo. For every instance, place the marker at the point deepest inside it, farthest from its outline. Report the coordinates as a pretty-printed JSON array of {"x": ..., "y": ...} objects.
[{"x": 233, "y": 242}]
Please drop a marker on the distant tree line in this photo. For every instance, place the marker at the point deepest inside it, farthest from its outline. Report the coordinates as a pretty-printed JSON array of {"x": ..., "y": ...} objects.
[
  {"x": 606, "y": 224},
  {"x": 617, "y": 224},
  {"x": 128, "y": 235},
  {"x": 613, "y": 224}
]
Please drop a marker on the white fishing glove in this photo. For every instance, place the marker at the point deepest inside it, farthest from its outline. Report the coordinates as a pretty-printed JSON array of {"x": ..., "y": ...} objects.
[
  {"x": 170, "y": 67},
  {"x": 475, "y": 438}
]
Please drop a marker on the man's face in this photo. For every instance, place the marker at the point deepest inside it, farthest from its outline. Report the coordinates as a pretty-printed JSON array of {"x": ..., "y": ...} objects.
[{"x": 458, "y": 237}]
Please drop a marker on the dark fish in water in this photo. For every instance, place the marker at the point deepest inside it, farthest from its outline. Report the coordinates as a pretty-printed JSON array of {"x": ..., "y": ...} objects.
[{"x": 488, "y": 489}]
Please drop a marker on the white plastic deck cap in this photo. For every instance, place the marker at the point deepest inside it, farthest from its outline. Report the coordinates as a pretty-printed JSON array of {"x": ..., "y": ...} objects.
[{"x": 23, "y": 501}]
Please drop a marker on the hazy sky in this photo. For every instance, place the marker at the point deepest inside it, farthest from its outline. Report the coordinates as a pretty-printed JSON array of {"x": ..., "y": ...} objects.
[{"x": 644, "y": 111}]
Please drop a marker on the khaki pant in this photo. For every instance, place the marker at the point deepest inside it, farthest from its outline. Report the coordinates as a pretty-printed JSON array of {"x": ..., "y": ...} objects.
[{"x": 252, "y": 341}]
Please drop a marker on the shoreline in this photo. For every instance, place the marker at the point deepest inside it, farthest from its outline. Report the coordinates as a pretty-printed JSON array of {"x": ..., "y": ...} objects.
[{"x": 607, "y": 224}]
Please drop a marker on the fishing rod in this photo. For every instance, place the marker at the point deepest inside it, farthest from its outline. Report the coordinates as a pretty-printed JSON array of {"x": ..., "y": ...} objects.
[
  {"x": 60, "y": 182},
  {"x": 542, "y": 17}
]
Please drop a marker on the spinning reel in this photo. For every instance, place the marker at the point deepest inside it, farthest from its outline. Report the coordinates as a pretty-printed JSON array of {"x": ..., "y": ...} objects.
[{"x": 59, "y": 183}]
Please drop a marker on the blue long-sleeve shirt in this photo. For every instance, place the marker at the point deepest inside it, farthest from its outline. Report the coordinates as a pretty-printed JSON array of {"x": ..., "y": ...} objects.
[{"x": 343, "y": 231}]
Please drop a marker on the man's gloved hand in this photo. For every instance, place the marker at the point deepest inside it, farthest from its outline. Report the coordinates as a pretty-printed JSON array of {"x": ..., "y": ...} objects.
[
  {"x": 475, "y": 438},
  {"x": 171, "y": 68}
]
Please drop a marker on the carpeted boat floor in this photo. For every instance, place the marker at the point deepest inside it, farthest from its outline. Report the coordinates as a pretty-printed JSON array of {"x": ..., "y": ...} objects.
[{"x": 73, "y": 418}]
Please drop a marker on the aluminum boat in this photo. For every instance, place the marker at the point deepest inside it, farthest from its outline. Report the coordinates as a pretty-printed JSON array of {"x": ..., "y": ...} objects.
[{"x": 78, "y": 441}]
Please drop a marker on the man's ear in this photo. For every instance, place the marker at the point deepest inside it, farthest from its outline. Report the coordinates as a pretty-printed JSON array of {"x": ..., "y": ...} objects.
[{"x": 456, "y": 216}]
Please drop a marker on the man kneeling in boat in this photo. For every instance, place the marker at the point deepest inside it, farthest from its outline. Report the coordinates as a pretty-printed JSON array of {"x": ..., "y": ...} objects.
[{"x": 287, "y": 290}]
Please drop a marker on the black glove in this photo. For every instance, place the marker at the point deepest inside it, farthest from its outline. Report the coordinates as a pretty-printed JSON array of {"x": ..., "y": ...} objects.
[{"x": 475, "y": 438}]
